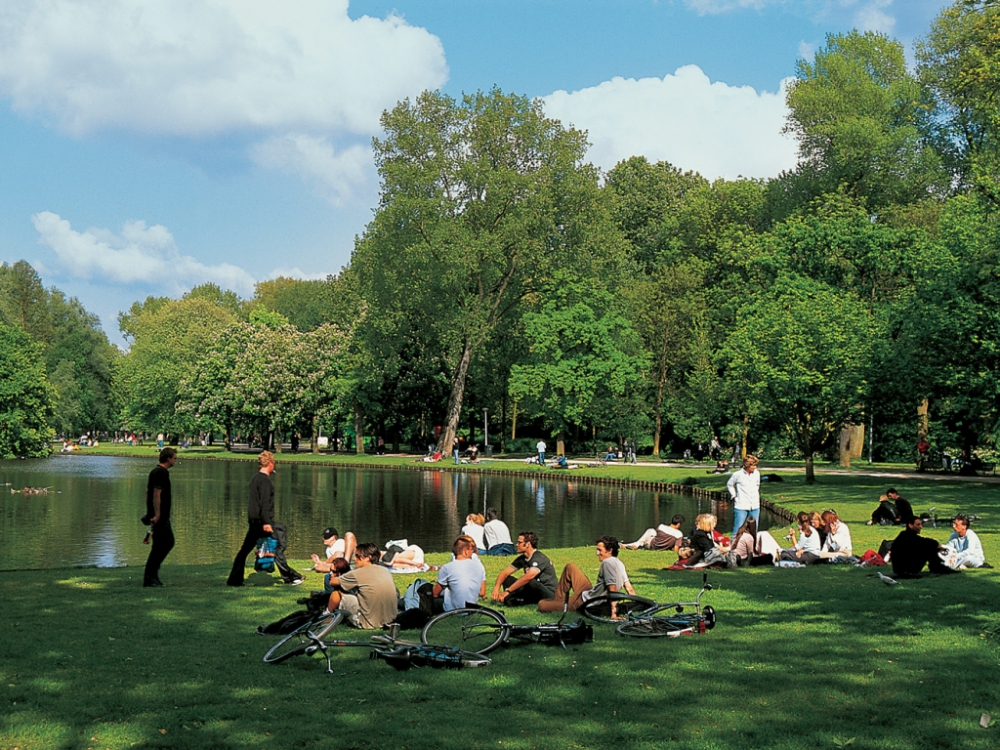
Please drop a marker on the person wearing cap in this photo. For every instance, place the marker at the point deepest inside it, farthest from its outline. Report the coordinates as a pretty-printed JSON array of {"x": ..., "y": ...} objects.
[{"x": 337, "y": 548}]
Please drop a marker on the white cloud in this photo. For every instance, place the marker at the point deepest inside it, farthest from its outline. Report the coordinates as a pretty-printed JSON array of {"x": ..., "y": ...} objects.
[
  {"x": 807, "y": 50},
  {"x": 714, "y": 7},
  {"x": 872, "y": 17},
  {"x": 685, "y": 119},
  {"x": 195, "y": 67},
  {"x": 336, "y": 175},
  {"x": 140, "y": 254}
]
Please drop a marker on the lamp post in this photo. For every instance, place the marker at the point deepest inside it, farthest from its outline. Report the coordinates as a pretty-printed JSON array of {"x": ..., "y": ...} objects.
[{"x": 486, "y": 430}]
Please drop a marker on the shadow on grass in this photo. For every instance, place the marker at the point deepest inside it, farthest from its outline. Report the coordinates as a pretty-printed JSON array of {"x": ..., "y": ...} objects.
[{"x": 800, "y": 658}]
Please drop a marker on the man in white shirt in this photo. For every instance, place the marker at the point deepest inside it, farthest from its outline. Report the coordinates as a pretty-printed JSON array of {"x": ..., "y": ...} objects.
[
  {"x": 963, "y": 547},
  {"x": 744, "y": 489},
  {"x": 497, "y": 535},
  {"x": 540, "y": 448}
]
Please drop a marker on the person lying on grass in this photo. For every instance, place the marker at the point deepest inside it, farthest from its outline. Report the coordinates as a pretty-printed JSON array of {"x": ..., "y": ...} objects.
[
  {"x": 662, "y": 538},
  {"x": 612, "y": 577}
]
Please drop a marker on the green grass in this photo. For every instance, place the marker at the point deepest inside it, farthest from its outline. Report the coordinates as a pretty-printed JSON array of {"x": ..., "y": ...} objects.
[{"x": 800, "y": 659}]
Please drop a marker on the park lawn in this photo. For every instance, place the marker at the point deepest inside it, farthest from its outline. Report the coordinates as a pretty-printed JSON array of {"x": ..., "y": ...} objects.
[{"x": 811, "y": 658}]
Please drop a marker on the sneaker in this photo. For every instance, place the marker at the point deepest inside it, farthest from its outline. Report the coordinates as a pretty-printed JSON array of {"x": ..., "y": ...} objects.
[{"x": 296, "y": 582}]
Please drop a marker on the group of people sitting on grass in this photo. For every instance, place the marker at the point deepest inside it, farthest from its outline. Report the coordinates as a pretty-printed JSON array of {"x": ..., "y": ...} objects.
[
  {"x": 367, "y": 597},
  {"x": 816, "y": 537}
]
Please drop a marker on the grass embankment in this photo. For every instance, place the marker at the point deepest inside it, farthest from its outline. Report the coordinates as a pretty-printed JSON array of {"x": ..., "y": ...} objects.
[{"x": 799, "y": 659}]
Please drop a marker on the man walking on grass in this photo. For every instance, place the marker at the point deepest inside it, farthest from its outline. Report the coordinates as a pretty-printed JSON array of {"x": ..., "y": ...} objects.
[
  {"x": 260, "y": 517},
  {"x": 158, "y": 501}
]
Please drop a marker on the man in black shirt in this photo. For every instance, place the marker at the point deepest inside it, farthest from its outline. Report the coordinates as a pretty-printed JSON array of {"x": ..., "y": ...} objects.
[
  {"x": 158, "y": 503},
  {"x": 911, "y": 552},
  {"x": 260, "y": 517},
  {"x": 538, "y": 582}
]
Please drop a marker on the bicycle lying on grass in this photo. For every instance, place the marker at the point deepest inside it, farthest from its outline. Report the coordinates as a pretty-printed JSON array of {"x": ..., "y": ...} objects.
[
  {"x": 482, "y": 630},
  {"x": 313, "y": 636},
  {"x": 671, "y": 619}
]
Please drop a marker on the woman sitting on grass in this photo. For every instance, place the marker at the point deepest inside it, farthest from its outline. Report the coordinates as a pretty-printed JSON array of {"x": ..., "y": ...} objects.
[
  {"x": 703, "y": 544},
  {"x": 807, "y": 546},
  {"x": 838, "y": 537},
  {"x": 753, "y": 547},
  {"x": 817, "y": 521},
  {"x": 474, "y": 523}
]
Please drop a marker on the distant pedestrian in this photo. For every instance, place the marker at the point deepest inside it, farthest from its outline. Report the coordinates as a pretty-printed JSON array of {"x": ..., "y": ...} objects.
[
  {"x": 159, "y": 441},
  {"x": 260, "y": 517},
  {"x": 540, "y": 448},
  {"x": 158, "y": 502},
  {"x": 455, "y": 449}
]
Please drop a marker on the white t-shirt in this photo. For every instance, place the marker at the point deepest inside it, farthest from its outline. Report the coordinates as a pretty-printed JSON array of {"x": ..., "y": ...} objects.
[
  {"x": 808, "y": 543},
  {"x": 744, "y": 489},
  {"x": 338, "y": 546},
  {"x": 670, "y": 530},
  {"x": 476, "y": 532},
  {"x": 541, "y": 446},
  {"x": 496, "y": 532},
  {"x": 462, "y": 580},
  {"x": 839, "y": 541}
]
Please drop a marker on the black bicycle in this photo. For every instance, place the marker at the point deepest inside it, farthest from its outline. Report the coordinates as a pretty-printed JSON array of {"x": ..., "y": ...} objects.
[
  {"x": 482, "y": 630},
  {"x": 312, "y": 637},
  {"x": 616, "y": 607},
  {"x": 672, "y": 619}
]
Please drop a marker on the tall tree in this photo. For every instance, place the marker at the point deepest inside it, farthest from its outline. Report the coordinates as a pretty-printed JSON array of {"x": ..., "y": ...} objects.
[
  {"x": 582, "y": 350},
  {"x": 801, "y": 355},
  {"x": 168, "y": 339},
  {"x": 25, "y": 396},
  {"x": 856, "y": 112},
  {"x": 480, "y": 200},
  {"x": 959, "y": 63}
]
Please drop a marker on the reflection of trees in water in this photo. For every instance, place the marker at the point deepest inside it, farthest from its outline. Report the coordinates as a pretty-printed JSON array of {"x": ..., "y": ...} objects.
[{"x": 102, "y": 499}]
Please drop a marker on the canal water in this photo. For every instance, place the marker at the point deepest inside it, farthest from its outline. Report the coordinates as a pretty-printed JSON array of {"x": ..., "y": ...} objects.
[{"x": 90, "y": 517}]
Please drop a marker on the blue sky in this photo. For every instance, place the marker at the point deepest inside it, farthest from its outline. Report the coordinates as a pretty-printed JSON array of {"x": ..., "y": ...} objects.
[{"x": 150, "y": 145}]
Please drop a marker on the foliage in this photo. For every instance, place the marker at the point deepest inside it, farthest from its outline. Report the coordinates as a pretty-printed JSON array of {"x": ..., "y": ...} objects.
[
  {"x": 801, "y": 353},
  {"x": 169, "y": 338},
  {"x": 855, "y": 110},
  {"x": 25, "y": 396},
  {"x": 481, "y": 200},
  {"x": 582, "y": 353}
]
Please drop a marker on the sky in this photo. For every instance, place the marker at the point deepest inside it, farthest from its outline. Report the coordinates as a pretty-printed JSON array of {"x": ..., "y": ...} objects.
[{"x": 148, "y": 146}]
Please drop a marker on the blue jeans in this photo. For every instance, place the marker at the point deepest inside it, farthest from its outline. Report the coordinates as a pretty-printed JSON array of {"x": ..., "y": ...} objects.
[
  {"x": 541, "y": 458},
  {"x": 455, "y": 454},
  {"x": 739, "y": 516}
]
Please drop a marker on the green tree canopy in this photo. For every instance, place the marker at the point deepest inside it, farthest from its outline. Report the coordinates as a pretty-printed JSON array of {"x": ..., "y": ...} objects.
[{"x": 25, "y": 396}]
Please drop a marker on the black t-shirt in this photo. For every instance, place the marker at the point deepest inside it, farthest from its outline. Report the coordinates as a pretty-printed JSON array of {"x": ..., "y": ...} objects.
[
  {"x": 546, "y": 572},
  {"x": 159, "y": 478},
  {"x": 260, "y": 507}
]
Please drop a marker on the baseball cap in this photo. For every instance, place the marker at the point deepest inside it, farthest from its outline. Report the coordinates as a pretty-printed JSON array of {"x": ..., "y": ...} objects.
[{"x": 329, "y": 532}]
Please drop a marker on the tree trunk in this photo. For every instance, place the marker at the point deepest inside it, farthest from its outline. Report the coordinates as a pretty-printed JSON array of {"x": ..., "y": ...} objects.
[
  {"x": 845, "y": 446},
  {"x": 314, "y": 443},
  {"x": 810, "y": 473},
  {"x": 513, "y": 421},
  {"x": 560, "y": 445},
  {"x": 359, "y": 429},
  {"x": 455, "y": 399},
  {"x": 659, "y": 417},
  {"x": 277, "y": 441}
]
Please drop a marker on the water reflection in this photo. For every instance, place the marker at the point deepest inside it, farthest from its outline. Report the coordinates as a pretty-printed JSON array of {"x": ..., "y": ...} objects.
[{"x": 92, "y": 515}]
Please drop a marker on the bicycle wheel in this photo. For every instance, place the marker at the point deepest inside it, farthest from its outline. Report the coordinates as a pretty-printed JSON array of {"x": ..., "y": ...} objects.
[
  {"x": 467, "y": 629},
  {"x": 626, "y": 605},
  {"x": 657, "y": 627},
  {"x": 303, "y": 639},
  {"x": 709, "y": 614}
]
